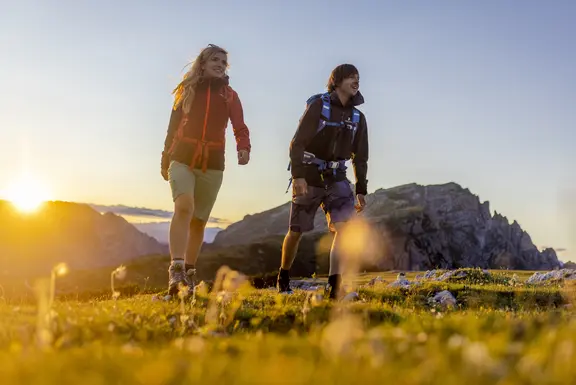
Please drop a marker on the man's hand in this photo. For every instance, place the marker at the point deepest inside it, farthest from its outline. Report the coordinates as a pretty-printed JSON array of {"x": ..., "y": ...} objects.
[
  {"x": 361, "y": 202},
  {"x": 300, "y": 186},
  {"x": 243, "y": 157},
  {"x": 164, "y": 173}
]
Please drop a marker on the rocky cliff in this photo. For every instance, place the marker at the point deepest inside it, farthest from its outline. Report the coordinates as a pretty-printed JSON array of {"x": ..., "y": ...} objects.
[
  {"x": 420, "y": 227},
  {"x": 68, "y": 232}
]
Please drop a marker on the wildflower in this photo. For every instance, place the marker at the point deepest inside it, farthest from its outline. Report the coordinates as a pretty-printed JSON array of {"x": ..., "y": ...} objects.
[
  {"x": 422, "y": 337},
  {"x": 60, "y": 269},
  {"x": 120, "y": 273},
  {"x": 455, "y": 341},
  {"x": 477, "y": 354},
  {"x": 316, "y": 299}
]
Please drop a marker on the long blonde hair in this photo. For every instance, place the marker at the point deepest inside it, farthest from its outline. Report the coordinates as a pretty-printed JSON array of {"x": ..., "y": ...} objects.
[{"x": 186, "y": 89}]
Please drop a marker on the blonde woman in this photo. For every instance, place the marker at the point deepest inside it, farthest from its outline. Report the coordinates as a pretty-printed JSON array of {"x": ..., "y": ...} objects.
[{"x": 193, "y": 155}]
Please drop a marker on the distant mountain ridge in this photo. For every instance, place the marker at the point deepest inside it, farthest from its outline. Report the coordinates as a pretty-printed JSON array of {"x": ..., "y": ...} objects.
[
  {"x": 158, "y": 221},
  {"x": 161, "y": 231},
  {"x": 68, "y": 232},
  {"x": 421, "y": 227}
]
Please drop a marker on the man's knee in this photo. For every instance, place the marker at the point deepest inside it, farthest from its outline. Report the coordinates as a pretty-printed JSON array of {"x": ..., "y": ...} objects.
[
  {"x": 184, "y": 206},
  {"x": 294, "y": 235},
  {"x": 339, "y": 227}
]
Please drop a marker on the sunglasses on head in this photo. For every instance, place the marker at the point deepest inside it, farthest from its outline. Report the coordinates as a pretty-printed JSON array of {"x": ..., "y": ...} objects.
[{"x": 212, "y": 46}]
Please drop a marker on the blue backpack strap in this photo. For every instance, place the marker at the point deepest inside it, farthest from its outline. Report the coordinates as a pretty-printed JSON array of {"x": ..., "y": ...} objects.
[
  {"x": 312, "y": 98},
  {"x": 326, "y": 106},
  {"x": 325, "y": 113},
  {"x": 289, "y": 184},
  {"x": 355, "y": 116},
  {"x": 355, "y": 122}
]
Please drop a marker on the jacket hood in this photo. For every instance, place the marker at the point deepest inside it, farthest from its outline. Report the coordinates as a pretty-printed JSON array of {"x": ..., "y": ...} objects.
[
  {"x": 356, "y": 100},
  {"x": 215, "y": 82}
]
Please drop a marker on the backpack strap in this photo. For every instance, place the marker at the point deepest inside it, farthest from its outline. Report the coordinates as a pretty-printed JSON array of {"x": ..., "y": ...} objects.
[
  {"x": 355, "y": 116},
  {"x": 326, "y": 105},
  {"x": 325, "y": 114},
  {"x": 355, "y": 122}
]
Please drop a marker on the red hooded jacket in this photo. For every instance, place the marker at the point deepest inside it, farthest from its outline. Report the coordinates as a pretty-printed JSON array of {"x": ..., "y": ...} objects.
[{"x": 198, "y": 138}]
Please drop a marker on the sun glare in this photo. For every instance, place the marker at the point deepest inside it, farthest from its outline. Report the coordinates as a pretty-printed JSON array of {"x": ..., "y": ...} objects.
[{"x": 27, "y": 193}]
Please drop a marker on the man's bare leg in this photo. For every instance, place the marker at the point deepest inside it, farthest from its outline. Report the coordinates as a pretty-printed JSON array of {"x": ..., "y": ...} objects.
[
  {"x": 289, "y": 250},
  {"x": 335, "y": 251},
  {"x": 336, "y": 260}
]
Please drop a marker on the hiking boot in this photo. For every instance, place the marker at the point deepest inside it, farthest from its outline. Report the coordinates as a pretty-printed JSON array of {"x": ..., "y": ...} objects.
[
  {"x": 283, "y": 282},
  {"x": 334, "y": 287},
  {"x": 190, "y": 278},
  {"x": 176, "y": 276}
]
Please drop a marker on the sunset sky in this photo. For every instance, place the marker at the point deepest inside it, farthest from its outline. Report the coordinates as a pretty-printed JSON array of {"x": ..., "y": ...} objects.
[{"x": 479, "y": 93}]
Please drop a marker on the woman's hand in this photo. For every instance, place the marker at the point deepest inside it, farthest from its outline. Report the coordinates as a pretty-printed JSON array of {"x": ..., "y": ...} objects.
[{"x": 243, "y": 157}]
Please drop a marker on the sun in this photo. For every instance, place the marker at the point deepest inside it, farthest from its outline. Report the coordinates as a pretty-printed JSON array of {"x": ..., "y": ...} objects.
[{"x": 27, "y": 193}]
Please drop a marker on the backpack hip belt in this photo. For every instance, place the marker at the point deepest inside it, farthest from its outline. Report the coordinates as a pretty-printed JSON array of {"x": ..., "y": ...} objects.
[{"x": 322, "y": 165}]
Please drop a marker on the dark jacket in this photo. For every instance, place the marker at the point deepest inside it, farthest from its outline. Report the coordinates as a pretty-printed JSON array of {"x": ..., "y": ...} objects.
[
  {"x": 198, "y": 138},
  {"x": 331, "y": 144}
]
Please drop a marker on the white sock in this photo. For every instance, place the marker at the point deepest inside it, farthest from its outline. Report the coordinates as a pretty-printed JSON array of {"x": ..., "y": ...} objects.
[{"x": 178, "y": 262}]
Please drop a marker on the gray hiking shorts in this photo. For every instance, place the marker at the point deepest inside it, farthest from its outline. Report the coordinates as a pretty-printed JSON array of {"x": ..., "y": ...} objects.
[
  {"x": 337, "y": 201},
  {"x": 203, "y": 186}
]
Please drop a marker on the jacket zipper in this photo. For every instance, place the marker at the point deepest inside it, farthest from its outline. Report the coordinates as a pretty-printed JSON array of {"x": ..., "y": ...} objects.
[
  {"x": 338, "y": 131},
  {"x": 206, "y": 118}
]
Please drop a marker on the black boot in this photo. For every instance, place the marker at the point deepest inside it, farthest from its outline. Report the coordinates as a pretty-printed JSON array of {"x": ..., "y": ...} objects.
[
  {"x": 334, "y": 286},
  {"x": 283, "y": 282}
]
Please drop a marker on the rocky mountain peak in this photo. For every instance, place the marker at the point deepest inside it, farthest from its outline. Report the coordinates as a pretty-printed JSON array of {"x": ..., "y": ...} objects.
[{"x": 422, "y": 227}]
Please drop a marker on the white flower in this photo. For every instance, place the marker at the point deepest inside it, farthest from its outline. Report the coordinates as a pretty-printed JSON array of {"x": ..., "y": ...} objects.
[
  {"x": 120, "y": 272},
  {"x": 60, "y": 269}
]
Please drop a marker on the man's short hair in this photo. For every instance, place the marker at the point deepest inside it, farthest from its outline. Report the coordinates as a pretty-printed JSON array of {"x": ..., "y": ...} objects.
[{"x": 340, "y": 73}]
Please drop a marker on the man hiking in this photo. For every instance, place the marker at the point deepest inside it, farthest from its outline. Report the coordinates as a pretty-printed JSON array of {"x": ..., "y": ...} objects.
[{"x": 330, "y": 132}]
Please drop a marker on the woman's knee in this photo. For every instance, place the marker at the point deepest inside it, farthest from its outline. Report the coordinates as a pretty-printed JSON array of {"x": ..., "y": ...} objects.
[
  {"x": 197, "y": 223},
  {"x": 184, "y": 206}
]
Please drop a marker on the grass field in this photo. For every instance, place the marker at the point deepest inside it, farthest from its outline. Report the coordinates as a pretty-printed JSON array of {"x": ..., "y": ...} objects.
[{"x": 500, "y": 331}]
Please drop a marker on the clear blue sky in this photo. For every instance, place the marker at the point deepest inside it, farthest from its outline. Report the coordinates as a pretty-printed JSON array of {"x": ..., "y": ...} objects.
[{"x": 480, "y": 93}]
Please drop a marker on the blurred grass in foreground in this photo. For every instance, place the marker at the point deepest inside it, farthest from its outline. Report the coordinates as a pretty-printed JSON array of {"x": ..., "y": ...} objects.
[{"x": 496, "y": 334}]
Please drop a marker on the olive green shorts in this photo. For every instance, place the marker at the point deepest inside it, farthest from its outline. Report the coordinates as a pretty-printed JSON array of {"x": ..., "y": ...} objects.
[{"x": 204, "y": 187}]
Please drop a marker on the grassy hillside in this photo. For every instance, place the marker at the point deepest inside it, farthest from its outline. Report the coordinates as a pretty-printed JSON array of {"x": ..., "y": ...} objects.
[
  {"x": 150, "y": 273},
  {"x": 500, "y": 331}
]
